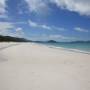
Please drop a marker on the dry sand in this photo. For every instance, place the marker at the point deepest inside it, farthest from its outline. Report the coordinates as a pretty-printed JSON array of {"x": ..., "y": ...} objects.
[{"x": 28, "y": 66}]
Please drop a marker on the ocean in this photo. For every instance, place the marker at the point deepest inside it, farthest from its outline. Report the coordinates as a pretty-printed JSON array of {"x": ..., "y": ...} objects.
[{"x": 74, "y": 46}]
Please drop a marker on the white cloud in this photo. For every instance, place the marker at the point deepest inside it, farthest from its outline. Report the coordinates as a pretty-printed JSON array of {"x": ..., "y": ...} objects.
[
  {"x": 19, "y": 29},
  {"x": 6, "y": 25},
  {"x": 33, "y": 24},
  {"x": 36, "y": 25},
  {"x": 37, "y": 6},
  {"x": 5, "y": 32},
  {"x": 19, "y": 32},
  {"x": 2, "y": 6},
  {"x": 41, "y": 6},
  {"x": 6, "y": 28},
  {"x": 80, "y": 6},
  {"x": 3, "y": 9},
  {"x": 46, "y": 27},
  {"x": 81, "y": 29}
]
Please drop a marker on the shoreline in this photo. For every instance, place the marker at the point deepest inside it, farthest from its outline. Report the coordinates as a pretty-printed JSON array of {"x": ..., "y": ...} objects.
[
  {"x": 72, "y": 50},
  {"x": 67, "y": 49},
  {"x": 10, "y": 44}
]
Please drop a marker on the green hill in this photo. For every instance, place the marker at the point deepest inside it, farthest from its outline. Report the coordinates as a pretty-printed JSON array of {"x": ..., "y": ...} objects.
[{"x": 13, "y": 39}]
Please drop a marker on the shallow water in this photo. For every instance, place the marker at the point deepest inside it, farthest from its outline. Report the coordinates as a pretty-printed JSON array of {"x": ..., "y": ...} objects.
[{"x": 74, "y": 46}]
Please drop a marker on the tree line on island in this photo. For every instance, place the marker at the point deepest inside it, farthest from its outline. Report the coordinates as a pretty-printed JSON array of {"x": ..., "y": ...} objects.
[{"x": 12, "y": 39}]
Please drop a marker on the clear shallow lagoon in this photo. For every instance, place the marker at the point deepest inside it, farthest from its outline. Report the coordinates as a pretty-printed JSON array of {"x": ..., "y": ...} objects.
[{"x": 85, "y": 47}]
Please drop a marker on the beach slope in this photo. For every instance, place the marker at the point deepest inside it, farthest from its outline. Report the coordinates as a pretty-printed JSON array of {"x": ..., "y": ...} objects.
[{"x": 29, "y": 66}]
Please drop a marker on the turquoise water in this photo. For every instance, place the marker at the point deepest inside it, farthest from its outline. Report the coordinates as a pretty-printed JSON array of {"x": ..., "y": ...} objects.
[{"x": 75, "y": 46}]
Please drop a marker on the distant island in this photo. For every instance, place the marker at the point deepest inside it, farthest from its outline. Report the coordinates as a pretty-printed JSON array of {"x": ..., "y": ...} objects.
[
  {"x": 53, "y": 41},
  {"x": 12, "y": 39}
]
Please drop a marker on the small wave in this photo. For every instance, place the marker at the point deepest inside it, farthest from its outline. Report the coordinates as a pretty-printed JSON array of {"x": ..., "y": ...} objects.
[{"x": 68, "y": 49}]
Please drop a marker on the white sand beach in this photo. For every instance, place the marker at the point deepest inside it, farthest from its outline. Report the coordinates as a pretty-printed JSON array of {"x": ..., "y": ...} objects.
[{"x": 29, "y": 66}]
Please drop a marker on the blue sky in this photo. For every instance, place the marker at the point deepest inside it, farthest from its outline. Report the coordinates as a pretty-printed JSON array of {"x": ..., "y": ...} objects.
[{"x": 61, "y": 20}]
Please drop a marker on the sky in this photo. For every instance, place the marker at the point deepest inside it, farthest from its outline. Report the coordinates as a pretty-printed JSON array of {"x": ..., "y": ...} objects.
[{"x": 60, "y": 20}]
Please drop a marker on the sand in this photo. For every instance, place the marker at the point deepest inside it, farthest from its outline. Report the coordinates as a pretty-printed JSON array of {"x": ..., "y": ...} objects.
[{"x": 29, "y": 66}]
